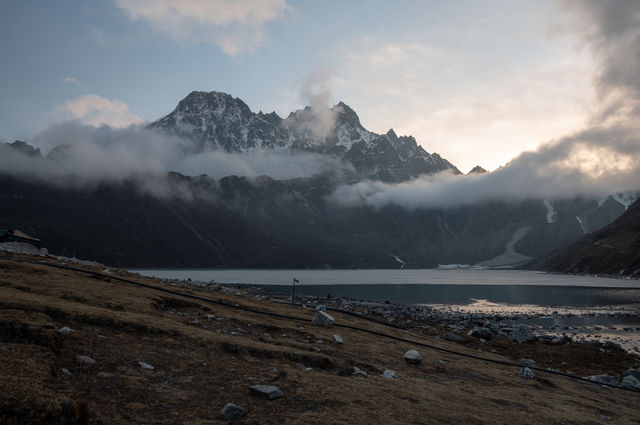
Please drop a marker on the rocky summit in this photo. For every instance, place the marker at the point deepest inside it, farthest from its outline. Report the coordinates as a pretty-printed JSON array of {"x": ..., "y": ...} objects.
[{"x": 214, "y": 120}]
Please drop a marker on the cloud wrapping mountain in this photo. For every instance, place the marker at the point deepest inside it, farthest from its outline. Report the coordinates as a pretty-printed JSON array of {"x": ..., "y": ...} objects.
[{"x": 603, "y": 158}]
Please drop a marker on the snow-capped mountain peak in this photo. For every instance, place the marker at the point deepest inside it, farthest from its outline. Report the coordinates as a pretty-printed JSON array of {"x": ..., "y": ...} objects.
[{"x": 215, "y": 120}]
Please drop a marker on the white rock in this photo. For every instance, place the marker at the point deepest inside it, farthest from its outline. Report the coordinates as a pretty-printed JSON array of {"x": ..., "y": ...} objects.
[
  {"x": 337, "y": 339},
  {"x": 412, "y": 357},
  {"x": 358, "y": 372},
  {"x": 65, "y": 330},
  {"x": 526, "y": 373},
  {"x": 323, "y": 318},
  {"x": 321, "y": 308},
  {"x": 388, "y": 373},
  {"x": 66, "y": 371},
  {"x": 146, "y": 365},
  {"x": 86, "y": 360}
]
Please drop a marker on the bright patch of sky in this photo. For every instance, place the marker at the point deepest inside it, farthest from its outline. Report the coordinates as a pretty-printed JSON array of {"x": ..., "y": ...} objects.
[{"x": 477, "y": 82}]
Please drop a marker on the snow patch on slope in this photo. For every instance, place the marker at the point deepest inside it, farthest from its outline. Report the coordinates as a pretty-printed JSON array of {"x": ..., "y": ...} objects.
[
  {"x": 584, "y": 229},
  {"x": 552, "y": 217}
]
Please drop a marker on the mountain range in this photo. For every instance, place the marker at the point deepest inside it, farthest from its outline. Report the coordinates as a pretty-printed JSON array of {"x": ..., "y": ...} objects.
[
  {"x": 240, "y": 221},
  {"x": 214, "y": 120}
]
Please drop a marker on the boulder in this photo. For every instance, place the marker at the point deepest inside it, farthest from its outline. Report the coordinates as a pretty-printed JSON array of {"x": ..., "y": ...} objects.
[
  {"x": 323, "y": 318},
  {"x": 412, "y": 357},
  {"x": 233, "y": 411},
  {"x": 269, "y": 391},
  {"x": 631, "y": 381},
  {"x": 483, "y": 333},
  {"x": 526, "y": 373},
  {"x": 452, "y": 337},
  {"x": 633, "y": 372},
  {"x": 522, "y": 334},
  {"x": 358, "y": 372},
  {"x": 337, "y": 339},
  {"x": 86, "y": 360},
  {"x": 388, "y": 373},
  {"x": 603, "y": 379}
]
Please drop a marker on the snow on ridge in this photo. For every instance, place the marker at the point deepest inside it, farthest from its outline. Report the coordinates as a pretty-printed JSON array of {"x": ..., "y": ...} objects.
[
  {"x": 626, "y": 199},
  {"x": 584, "y": 229},
  {"x": 552, "y": 217}
]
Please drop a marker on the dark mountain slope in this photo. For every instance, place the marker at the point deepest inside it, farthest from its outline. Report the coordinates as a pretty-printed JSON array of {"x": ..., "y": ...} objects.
[
  {"x": 613, "y": 250},
  {"x": 261, "y": 222}
]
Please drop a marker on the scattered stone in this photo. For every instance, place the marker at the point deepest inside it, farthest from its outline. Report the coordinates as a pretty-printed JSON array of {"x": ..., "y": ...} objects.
[
  {"x": 323, "y": 318},
  {"x": 209, "y": 316},
  {"x": 526, "y": 373},
  {"x": 66, "y": 371},
  {"x": 603, "y": 379},
  {"x": 633, "y": 372},
  {"x": 359, "y": 372},
  {"x": 65, "y": 330},
  {"x": 522, "y": 334},
  {"x": 352, "y": 371},
  {"x": 452, "y": 337},
  {"x": 528, "y": 362},
  {"x": 269, "y": 391},
  {"x": 337, "y": 339},
  {"x": 388, "y": 373},
  {"x": 86, "y": 360},
  {"x": 233, "y": 411},
  {"x": 482, "y": 333},
  {"x": 631, "y": 381},
  {"x": 558, "y": 340},
  {"x": 146, "y": 365},
  {"x": 412, "y": 357},
  {"x": 321, "y": 308}
]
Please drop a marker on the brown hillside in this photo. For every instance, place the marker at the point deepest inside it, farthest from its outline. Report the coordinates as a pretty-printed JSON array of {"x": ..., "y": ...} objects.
[{"x": 200, "y": 366}]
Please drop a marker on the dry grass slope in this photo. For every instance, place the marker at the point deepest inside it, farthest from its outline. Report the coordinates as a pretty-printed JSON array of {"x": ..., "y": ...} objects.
[{"x": 199, "y": 367}]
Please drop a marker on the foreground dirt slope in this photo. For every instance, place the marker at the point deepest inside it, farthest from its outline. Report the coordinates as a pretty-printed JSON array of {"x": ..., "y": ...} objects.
[{"x": 199, "y": 365}]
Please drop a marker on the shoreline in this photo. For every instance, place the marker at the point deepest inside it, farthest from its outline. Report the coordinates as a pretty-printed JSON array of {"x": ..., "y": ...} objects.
[{"x": 499, "y": 318}]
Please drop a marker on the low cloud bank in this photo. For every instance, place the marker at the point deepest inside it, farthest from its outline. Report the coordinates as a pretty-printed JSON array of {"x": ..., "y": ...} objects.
[
  {"x": 602, "y": 158},
  {"x": 580, "y": 165},
  {"x": 90, "y": 154}
]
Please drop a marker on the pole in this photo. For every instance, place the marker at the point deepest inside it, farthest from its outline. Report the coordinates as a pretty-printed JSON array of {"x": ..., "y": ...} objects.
[{"x": 293, "y": 291}]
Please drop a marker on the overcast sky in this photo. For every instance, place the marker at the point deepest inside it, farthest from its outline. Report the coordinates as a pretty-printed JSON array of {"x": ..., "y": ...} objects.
[{"x": 476, "y": 81}]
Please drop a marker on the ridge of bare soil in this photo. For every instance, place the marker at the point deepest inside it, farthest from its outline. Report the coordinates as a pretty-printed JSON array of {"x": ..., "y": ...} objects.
[{"x": 206, "y": 355}]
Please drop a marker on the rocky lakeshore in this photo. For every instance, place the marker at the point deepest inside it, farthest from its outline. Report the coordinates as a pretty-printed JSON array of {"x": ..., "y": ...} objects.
[
  {"x": 603, "y": 326},
  {"x": 84, "y": 343}
]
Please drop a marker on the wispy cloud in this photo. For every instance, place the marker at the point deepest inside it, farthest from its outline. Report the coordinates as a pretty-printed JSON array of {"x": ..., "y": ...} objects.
[
  {"x": 81, "y": 154},
  {"x": 96, "y": 110},
  {"x": 234, "y": 25},
  {"x": 71, "y": 80},
  {"x": 602, "y": 157}
]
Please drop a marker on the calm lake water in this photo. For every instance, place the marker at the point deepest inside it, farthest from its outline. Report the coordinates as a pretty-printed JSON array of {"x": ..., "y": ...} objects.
[{"x": 428, "y": 286}]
